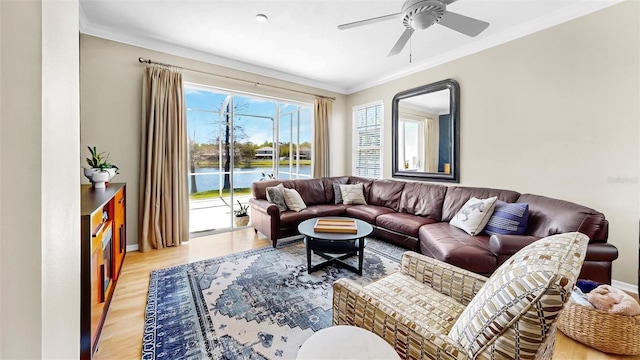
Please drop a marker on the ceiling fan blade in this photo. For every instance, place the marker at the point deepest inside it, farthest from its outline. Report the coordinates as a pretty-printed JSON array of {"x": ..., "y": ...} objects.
[
  {"x": 401, "y": 42},
  {"x": 369, "y": 21},
  {"x": 463, "y": 24}
]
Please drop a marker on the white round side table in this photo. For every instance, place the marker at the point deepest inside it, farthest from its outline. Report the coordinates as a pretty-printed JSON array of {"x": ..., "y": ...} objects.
[{"x": 345, "y": 342}]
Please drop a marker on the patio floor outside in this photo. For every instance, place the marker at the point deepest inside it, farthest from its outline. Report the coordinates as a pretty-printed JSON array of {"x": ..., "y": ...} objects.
[{"x": 215, "y": 214}]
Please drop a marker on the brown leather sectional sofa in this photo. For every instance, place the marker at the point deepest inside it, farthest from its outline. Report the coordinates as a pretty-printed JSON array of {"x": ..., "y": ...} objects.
[{"x": 416, "y": 215}]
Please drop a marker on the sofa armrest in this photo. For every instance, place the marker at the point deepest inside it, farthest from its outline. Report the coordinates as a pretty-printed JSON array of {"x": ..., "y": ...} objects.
[
  {"x": 450, "y": 280},
  {"x": 264, "y": 206},
  {"x": 353, "y": 305},
  {"x": 601, "y": 252},
  {"x": 509, "y": 244}
]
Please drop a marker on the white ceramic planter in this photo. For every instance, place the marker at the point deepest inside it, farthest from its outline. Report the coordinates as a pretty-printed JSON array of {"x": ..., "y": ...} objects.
[
  {"x": 112, "y": 173},
  {"x": 88, "y": 173},
  {"x": 99, "y": 178}
]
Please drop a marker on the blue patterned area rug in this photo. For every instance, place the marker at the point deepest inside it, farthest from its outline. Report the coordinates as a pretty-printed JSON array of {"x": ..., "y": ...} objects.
[{"x": 256, "y": 304}]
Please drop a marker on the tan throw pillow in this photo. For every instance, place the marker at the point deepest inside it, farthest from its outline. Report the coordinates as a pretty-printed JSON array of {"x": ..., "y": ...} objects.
[
  {"x": 474, "y": 215},
  {"x": 353, "y": 194},
  {"x": 293, "y": 200},
  {"x": 275, "y": 195}
]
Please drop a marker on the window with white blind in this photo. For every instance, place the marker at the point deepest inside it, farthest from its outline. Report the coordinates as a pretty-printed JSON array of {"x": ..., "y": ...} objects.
[{"x": 367, "y": 140}]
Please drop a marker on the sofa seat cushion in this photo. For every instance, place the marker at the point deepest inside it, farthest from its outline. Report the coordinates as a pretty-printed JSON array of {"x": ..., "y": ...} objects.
[
  {"x": 367, "y": 213},
  {"x": 416, "y": 302},
  {"x": 328, "y": 210},
  {"x": 403, "y": 223},
  {"x": 291, "y": 218},
  {"x": 452, "y": 245}
]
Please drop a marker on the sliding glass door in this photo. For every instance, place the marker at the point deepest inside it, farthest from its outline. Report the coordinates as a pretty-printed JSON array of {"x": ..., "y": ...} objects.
[{"x": 234, "y": 141}]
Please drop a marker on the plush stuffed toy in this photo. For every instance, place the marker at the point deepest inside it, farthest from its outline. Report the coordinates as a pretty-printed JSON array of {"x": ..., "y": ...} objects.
[{"x": 613, "y": 300}]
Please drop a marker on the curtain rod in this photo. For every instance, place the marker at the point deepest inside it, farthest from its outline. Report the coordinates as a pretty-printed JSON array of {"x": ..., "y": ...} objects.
[{"x": 149, "y": 61}]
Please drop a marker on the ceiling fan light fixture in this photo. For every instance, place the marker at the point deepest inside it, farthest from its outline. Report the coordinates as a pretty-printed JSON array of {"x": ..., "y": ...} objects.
[
  {"x": 421, "y": 14},
  {"x": 423, "y": 20},
  {"x": 261, "y": 18}
]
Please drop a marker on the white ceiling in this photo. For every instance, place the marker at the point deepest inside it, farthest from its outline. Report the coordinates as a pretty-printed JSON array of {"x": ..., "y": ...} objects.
[{"x": 301, "y": 42}]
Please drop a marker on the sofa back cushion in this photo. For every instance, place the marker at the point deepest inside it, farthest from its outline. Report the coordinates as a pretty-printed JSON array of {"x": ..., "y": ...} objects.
[
  {"x": 259, "y": 188},
  {"x": 311, "y": 190},
  {"x": 423, "y": 199},
  {"x": 457, "y": 196},
  {"x": 364, "y": 181},
  {"x": 549, "y": 216},
  {"x": 386, "y": 193},
  {"x": 329, "y": 190},
  {"x": 514, "y": 310}
]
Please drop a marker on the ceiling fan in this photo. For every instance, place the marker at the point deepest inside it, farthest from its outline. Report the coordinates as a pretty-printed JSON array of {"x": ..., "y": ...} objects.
[{"x": 420, "y": 14}]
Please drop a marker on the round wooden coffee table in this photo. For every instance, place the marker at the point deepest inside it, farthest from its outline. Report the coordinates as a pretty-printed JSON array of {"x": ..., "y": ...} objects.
[
  {"x": 346, "y": 342},
  {"x": 335, "y": 247}
]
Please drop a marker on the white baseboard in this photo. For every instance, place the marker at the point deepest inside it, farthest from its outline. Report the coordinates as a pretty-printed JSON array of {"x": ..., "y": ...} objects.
[
  {"x": 133, "y": 247},
  {"x": 625, "y": 286}
]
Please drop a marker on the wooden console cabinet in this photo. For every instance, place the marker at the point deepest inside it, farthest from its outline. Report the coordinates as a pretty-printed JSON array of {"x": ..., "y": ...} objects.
[{"x": 103, "y": 246}]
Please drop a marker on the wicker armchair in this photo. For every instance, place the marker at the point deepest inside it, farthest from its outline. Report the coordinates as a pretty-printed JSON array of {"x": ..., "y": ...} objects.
[{"x": 433, "y": 310}]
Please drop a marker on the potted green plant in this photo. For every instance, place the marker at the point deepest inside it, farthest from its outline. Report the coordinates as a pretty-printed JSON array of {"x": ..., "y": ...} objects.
[
  {"x": 267, "y": 176},
  {"x": 101, "y": 170},
  {"x": 241, "y": 215}
]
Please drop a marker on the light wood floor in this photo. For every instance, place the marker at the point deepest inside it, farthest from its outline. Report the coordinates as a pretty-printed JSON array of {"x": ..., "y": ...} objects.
[{"x": 122, "y": 332}]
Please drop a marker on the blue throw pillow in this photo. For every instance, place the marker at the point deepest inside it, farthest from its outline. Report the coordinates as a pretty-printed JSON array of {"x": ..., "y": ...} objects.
[{"x": 508, "y": 219}]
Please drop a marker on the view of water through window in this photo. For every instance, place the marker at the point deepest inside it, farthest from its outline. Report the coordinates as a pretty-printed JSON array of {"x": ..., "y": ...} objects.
[{"x": 235, "y": 140}]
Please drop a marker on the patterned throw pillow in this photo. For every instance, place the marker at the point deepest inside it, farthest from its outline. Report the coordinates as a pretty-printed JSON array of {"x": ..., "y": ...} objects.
[
  {"x": 474, "y": 215},
  {"x": 293, "y": 200},
  {"x": 337, "y": 193},
  {"x": 353, "y": 194},
  {"x": 508, "y": 219},
  {"x": 275, "y": 195},
  {"x": 512, "y": 314}
]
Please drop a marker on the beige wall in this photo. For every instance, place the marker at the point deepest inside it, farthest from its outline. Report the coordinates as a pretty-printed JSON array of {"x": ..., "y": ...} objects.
[
  {"x": 39, "y": 197},
  {"x": 111, "y": 98},
  {"x": 584, "y": 74}
]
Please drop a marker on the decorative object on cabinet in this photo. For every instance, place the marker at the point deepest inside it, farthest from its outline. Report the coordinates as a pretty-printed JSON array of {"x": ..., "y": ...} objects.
[
  {"x": 101, "y": 170},
  {"x": 102, "y": 251}
]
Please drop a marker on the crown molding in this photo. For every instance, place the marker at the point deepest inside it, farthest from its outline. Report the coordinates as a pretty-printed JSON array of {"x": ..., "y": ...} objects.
[
  {"x": 575, "y": 11},
  {"x": 165, "y": 47},
  {"x": 561, "y": 16}
]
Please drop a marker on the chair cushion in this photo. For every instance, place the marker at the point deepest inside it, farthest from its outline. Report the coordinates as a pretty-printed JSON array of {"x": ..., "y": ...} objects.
[
  {"x": 512, "y": 313},
  {"x": 416, "y": 302}
]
